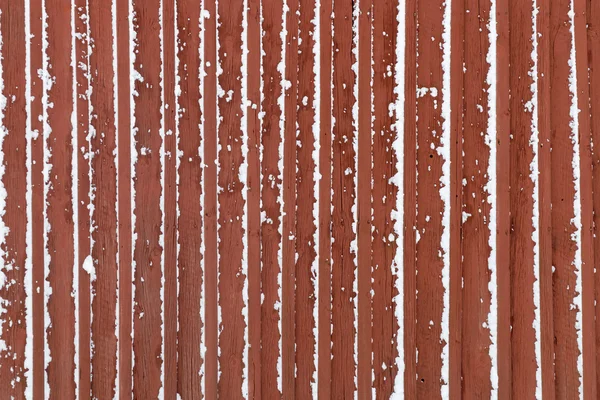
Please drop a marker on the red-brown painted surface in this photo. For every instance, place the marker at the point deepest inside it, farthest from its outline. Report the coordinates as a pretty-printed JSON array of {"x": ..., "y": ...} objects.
[{"x": 299, "y": 199}]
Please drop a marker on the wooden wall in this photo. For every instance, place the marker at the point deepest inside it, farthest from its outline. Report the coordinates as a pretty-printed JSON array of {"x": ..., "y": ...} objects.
[{"x": 293, "y": 199}]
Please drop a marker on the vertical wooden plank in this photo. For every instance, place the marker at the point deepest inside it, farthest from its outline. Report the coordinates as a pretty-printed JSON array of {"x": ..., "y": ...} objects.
[
  {"x": 230, "y": 202},
  {"x": 13, "y": 201},
  {"x": 503, "y": 229},
  {"x": 253, "y": 113},
  {"x": 147, "y": 209},
  {"x": 288, "y": 237},
  {"x": 457, "y": 254},
  {"x": 101, "y": 264},
  {"x": 325, "y": 140},
  {"x": 124, "y": 198},
  {"x": 169, "y": 176},
  {"x": 544, "y": 148},
  {"x": 343, "y": 203},
  {"x": 566, "y": 217},
  {"x": 364, "y": 175},
  {"x": 37, "y": 198},
  {"x": 84, "y": 156},
  {"x": 593, "y": 33},
  {"x": 433, "y": 183},
  {"x": 188, "y": 134},
  {"x": 384, "y": 195},
  {"x": 210, "y": 199},
  {"x": 272, "y": 76},
  {"x": 410, "y": 201},
  {"x": 306, "y": 224},
  {"x": 58, "y": 102},
  {"x": 587, "y": 328},
  {"x": 478, "y": 202},
  {"x": 523, "y": 263}
]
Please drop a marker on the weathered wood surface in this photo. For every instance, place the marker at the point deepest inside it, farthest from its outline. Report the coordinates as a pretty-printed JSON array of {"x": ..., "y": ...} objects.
[{"x": 299, "y": 199}]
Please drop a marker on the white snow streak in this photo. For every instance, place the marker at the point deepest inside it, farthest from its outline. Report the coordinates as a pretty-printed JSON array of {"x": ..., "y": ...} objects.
[
  {"x": 177, "y": 46},
  {"x": 316, "y": 129},
  {"x": 161, "y": 238},
  {"x": 444, "y": 151},
  {"x": 28, "y": 363},
  {"x": 491, "y": 140},
  {"x": 243, "y": 177},
  {"x": 75, "y": 197},
  {"x": 354, "y": 242},
  {"x": 532, "y": 106},
  {"x": 220, "y": 92},
  {"x": 398, "y": 213},
  {"x": 135, "y": 76},
  {"x": 576, "y": 221},
  {"x": 47, "y": 81},
  {"x": 89, "y": 156},
  {"x": 202, "y": 74},
  {"x": 281, "y": 68}
]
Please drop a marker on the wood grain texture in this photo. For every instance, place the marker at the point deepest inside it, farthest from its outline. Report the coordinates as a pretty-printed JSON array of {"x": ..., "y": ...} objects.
[
  {"x": 59, "y": 135},
  {"x": 189, "y": 279},
  {"x": 299, "y": 199},
  {"x": 147, "y": 202},
  {"x": 231, "y": 274},
  {"x": 103, "y": 197},
  {"x": 14, "y": 170}
]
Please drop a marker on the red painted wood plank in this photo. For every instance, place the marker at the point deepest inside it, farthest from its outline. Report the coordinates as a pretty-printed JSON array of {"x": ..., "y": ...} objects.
[
  {"x": 102, "y": 267},
  {"x": 593, "y": 32},
  {"x": 58, "y": 187},
  {"x": 84, "y": 155},
  {"x": 364, "y": 176},
  {"x": 188, "y": 135},
  {"x": 231, "y": 203},
  {"x": 306, "y": 225},
  {"x": 457, "y": 141},
  {"x": 37, "y": 200},
  {"x": 384, "y": 197},
  {"x": 169, "y": 177},
  {"x": 478, "y": 203},
  {"x": 343, "y": 201},
  {"x": 13, "y": 218},
  {"x": 545, "y": 204},
  {"x": 124, "y": 199},
  {"x": 325, "y": 155},
  {"x": 210, "y": 200},
  {"x": 586, "y": 269},
  {"x": 503, "y": 229},
  {"x": 410, "y": 198},
  {"x": 253, "y": 111},
  {"x": 565, "y": 195},
  {"x": 148, "y": 228},
  {"x": 288, "y": 237},
  {"x": 430, "y": 342},
  {"x": 523, "y": 260},
  {"x": 271, "y": 196}
]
